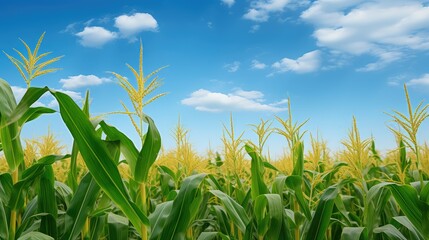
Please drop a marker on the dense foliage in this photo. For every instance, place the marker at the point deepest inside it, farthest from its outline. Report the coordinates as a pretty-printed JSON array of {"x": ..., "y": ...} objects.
[{"x": 107, "y": 188}]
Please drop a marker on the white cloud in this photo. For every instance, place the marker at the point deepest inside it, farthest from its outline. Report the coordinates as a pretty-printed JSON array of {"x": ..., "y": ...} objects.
[
  {"x": 18, "y": 92},
  {"x": 423, "y": 80},
  {"x": 260, "y": 9},
  {"x": 95, "y": 36},
  {"x": 281, "y": 102},
  {"x": 129, "y": 25},
  {"x": 258, "y": 65},
  {"x": 73, "y": 82},
  {"x": 46, "y": 100},
  {"x": 229, "y": 3},
  {"x": 232, "y": 67},
  {"x": 384, "y": 59},
  {"x": 384, "y": 29},
  {"x": 255, "y": 28},
  {"x": 254, "y": 95},
  {"x": 204, "y": 100},
  {"x": 308, "y": 62}
]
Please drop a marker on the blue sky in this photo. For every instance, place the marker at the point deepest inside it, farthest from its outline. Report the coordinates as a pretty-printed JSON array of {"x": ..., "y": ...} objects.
[{"x": 335, "y": 59}]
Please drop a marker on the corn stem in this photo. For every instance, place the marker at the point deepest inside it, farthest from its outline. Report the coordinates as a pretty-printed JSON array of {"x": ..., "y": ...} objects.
[
  {"x": 13, "y": 213},
  {"x": 144, "y": 208},
  {"x": 296, "y": 209}
]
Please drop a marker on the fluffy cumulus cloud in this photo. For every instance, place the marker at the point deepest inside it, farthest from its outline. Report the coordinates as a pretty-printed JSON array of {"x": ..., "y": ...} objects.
[
  {"x": 73, "y": 82},
  {"x": 422, "y": 81},
  {"x": 95, "y": 36},
  {"x": 46, "y": 100},
  {"x": 232, "y": 67},
  {"x": 258, "y": 65},
  {"x": 129, "y": 25},
  {"x": 380, "y": 28},
  {"x": 239, "y": 100},
  {"x": 260, "y": 10},
  {"x": 308, "y": 62},
  {"x": 229, "y": 3}
]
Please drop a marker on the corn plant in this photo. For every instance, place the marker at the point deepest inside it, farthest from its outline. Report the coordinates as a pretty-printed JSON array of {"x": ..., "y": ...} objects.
[{"x": 117, "y": 191}]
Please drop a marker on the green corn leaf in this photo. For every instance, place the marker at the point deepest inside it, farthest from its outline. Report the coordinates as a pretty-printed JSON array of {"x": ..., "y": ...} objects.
[
  {"x": 405, "y": 222},
  {"x": 321, "y": 218},
  {"x": 11, "y": 144},
  {"x": 6, "y": 188},
  {"x": 31, "y": 222},
  {"x": 47, "y": 203},
  {"x": 214, "y": 183},
  {"x": 97, "y": 158},
  {"x": 166, "y": 182},
  {"x": 31, "y": 96},
  {"x": 298, "y": 154},
  {"x": 28, "y": 177},
  {"x": 235, "y": 211},
  {"x": 258, "y": 186},
  {"x": 403, "y": 156},
  {"x": 33, "y": 113},
  {"x": 29, "y": 215},
  {"x": 4, "y": 228},
  {"x": 407, "y": 199},
  {"x": 7, "y": 100},
  {"x": 354, "y": 233},
  {"x": 159, "y": 217},
  {"x": 295, "y": 183},
  {"x": 212, "y": 236},
  {"x": 269, "y": 215},
  {"x": 377, "y": 198},
  {"x": 270, "y": 166},
  {"x": 391, "y": 232},
  {"x": 97, "y": 226},
  {"x": 149, "y": 152},
  {"x": 424, "y": 194},
  {"x": 128, "y": 148},
  {"x": 184, "y": 209},
  {"x": 118, "y": 226},
  {"x": 221, "y": 217},
  {"x": 81, "y": 204},
  {"x": 35, "y": 236},
  {"x": 72, "y": 175}
]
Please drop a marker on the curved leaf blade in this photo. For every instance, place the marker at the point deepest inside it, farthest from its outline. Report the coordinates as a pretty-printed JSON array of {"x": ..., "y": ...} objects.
[{"x": 97, "y": 158}]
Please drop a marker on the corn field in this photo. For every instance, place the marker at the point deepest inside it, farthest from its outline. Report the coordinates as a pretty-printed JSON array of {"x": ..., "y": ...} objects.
[{"x": 107, "y": 188}]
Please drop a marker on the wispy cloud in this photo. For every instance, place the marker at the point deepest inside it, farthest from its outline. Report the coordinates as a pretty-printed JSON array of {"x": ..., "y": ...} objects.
[
  {"x": 239, "y": 100},
  {"x": 260, "y": 10},
  {"x": 385, "y": 58},
  {"x": 229, "y": 3},
  {"x": 258, "y": 65},
  {"x": 232, "y": 67},
  {"x": 95, "y": 36},
  {"x": 421, "y": 81},
  {"x": 308, "y": 62},
  {"x": 255, "y": 28},
  {"x": 384, "y": 29},
  {"x": 78, "y": 81}
]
